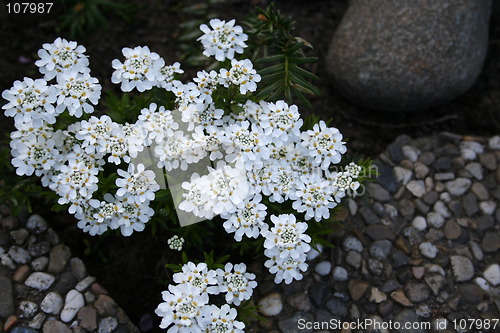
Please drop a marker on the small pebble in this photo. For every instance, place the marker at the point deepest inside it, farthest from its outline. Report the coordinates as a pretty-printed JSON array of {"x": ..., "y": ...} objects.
[
  {"x": 428, "y": 250},
  {"x": 492, "y": 274},
  {"x": 271, "y": 305},
  {"x": 323, "y": 268}
]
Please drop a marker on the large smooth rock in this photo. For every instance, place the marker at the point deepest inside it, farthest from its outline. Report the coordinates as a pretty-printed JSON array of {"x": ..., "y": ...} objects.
[{"x": 409, "y": 55}]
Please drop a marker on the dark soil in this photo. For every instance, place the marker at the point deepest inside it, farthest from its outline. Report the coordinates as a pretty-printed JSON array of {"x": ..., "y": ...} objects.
[{"x": 131, "y": 269}]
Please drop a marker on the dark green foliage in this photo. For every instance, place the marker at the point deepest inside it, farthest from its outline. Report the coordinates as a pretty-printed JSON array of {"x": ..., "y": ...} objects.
[
  {"x": 279, "y": 57},
  {"x": 82, "y": 17}
]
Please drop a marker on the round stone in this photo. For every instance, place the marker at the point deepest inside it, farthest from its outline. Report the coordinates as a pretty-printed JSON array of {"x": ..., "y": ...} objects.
[
  {"x": 271, "y": 305},
  {"x": 323, "y": 268},
  {"x": 419, "y": 223},
  {"x": 409, "y": 55},
  {"x": 428, "y": 250},
  {"x": 340, "y": 274},
  {"x": 492, "y": 274},
  {"x": 462, "y": 267}
]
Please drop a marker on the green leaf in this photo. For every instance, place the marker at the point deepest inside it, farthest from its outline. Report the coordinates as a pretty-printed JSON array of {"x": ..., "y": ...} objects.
[
  {"x": 270, "y": 89},
  {"x": 272, "y": 69},
  {"x": 184, "y": 257},
  {"x": 302, "y": 60},
  {"x": 273, "y": 58},
  {"x": 302, "y": 72},
  {"x": 294, "y": 49}
]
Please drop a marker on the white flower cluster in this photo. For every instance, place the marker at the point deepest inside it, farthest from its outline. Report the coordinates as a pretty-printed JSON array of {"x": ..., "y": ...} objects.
[
  {"x": 222, "y": 39},
  {"x": 175, "y": 243},
  {"x": 261, "y": 154},
  {"x": 186, "y": 306},
  {"x": 143, "y": 70}
]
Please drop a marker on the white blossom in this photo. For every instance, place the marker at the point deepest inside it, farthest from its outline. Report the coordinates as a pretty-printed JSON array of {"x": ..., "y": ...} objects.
[
  {"x": 175, "y": 243},
  {"x": 236, "y": 282},
  {"x": 138, "y": 183},
  {"x": 324, "y": 143},
  {"x": 61, "y": 56},
  {"x": 30, "y": 101},
  {"x": 76, "y": 93},
  {"x": 222, "y": 39},
  {"x": 140, "y": 70},
  {"x": 248, "y": 219}
]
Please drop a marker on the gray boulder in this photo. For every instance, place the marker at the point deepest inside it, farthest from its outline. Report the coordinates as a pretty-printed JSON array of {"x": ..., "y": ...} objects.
[{"x": 395, "y": 55}]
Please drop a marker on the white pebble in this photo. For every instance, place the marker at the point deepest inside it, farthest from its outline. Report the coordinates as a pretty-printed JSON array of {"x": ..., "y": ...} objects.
[
  {"x": 402, "y": 175},
  {"x": 271, "y": 305},
  {"x": 492, "y": 274},
  {"x": 487, "y": 207},
  {"x": 28, "y": 308},
  {"x": 419, "y": 223},
  {"x": 73, "y": 303},
  {"x": 428, "y": 250},
  {"x": 481, "y": 283},
  {"x": 52, "y": 303},
  {"x": 435, "y": 219},
  {"x": 323, "y": 268},
  {"x": 40, "y": 280},
  {"x": 411, "y": 153},
  {"x": 494, "y": 142},
  {"x": 441, "y": 208},
  {"x": 7, "y": 261},
  {"x": 340, "y": 274},
  {"x": 416, "y": 187},
  {"x": 352, "y": 243},
  {"x": 468, "y": 154}
]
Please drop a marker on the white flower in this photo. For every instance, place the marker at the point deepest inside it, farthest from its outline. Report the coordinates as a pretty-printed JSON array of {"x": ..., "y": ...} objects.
[
  {"x": 196, "y": 200},
  {"x": 283, "y": 120},
  {"x": 287, "y": 238},
  {"x": 139, "y": 183},
  {"x": 246, "y": 142},
  {"x": 221, "y": 320},
  {"x": 241, "y": 74},
  {"x": 34, "y": 153},
  {"x": 61, "y": 56},
  {"x": 175, "y": 243},
  {"x": 228, "y": 186},
  {"x": 288, "y": 269},
  {"x": 140, "y": 70},
  {"x": 76, "y": 90},
  {"x": 236, "y": 283},
  {"x": 171, "y": 152},
  {"x": 313, "y": 196},
  {"x": 158, "y": 122},
  {"x": 223, "y": 40},
  {"x": 324, "y": 144},
  {"x": 249, "y": 219},
  {"x": 343, "y": 181},
  {"x": 30, "y": 101},
  {"x": 182, "y": 308},
  {"x": 207, "y": 83},
  {"x": 96, "y": 132},
  {"x": 282, "y": 182},
  {"x": 198, "y": 276},
  {"x": 133, "y": 216},
  {"x": 86, "y": 220},
  {"x": 75, "y": 181},
  {"x": 353, "y": 169},
  {"x": 166, "y": 74}
]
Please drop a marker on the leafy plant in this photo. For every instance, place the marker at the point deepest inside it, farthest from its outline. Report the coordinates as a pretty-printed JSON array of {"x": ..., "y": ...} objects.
[{"x": 279, "y": 57}]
